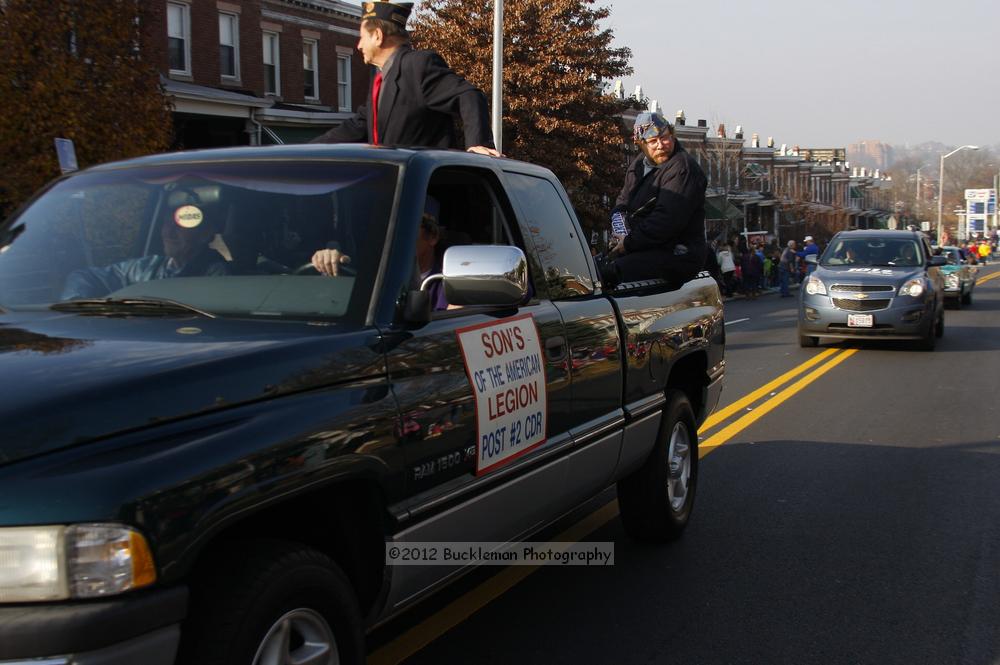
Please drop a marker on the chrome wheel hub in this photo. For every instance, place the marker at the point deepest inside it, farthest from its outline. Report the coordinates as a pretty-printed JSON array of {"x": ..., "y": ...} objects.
[
  {"x": 300, "y": 637},
  {"x": 679, "y": 459}
]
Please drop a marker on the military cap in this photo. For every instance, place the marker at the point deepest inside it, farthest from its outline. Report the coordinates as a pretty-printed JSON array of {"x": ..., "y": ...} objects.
[{"x": 397, "y": 12}]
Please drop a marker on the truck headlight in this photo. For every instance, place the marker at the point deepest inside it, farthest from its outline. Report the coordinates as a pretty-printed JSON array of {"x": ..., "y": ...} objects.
[
  {"x": 913, "y": 288},
  {"x": 815, "y": 286},
  {"x": 40, "y": 563}
]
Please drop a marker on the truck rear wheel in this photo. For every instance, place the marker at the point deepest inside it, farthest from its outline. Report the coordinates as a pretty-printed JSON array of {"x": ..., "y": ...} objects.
[
  {"x": 271, "y": 603},
  {"x": 656, "y": 500}
]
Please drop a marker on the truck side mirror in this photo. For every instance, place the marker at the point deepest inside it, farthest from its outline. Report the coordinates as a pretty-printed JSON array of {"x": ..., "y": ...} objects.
[
  {"x": 485, "y": 275},
  {"x": 938, "y": 261},
  {"x": 811, "y": 258}
]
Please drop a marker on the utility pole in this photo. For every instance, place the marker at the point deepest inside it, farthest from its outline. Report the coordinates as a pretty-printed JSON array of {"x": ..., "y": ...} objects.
[
  {"x": 941, "y": 184},
  {"x": 498, "y": 74}
]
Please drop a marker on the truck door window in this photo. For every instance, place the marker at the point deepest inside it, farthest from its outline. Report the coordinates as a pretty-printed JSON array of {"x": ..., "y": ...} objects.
[
  {"x": 565, "y": 261},
  {"x": 471, "y": 208}
]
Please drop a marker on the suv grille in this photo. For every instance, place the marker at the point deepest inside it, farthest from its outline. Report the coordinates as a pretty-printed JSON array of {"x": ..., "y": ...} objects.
[
  {"x": 860, "y": 305},
  {"x": 864, "y": 288}
]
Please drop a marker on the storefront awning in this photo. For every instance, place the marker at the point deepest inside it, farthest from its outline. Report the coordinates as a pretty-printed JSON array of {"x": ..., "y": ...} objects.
[
  {"x": 204, "y": 100},
  {"x": 292, "y": 123},
  {"x": 719, "y": 208}
]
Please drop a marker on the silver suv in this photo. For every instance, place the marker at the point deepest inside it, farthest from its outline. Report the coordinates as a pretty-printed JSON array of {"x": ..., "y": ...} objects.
[{"x": 874, "y": 285}]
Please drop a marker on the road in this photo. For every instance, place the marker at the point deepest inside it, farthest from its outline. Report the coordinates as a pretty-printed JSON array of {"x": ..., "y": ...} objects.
[{"x": 848, "y": 512}]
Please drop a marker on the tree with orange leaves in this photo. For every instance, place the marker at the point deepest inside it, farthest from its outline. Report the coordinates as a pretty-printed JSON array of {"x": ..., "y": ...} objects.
[
  {"x": 74, "y": 69},
  {"x": 557, "y": 60}
]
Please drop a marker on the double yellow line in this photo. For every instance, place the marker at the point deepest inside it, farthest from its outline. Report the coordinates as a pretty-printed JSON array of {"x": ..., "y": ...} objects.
[
  {"x": 982, "y": 280},
  {"x": 823, "y": 363},
  {"x": 766, "y": 398}
]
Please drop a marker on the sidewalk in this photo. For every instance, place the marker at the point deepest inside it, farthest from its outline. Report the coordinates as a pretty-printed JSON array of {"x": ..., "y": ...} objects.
[{"x": 771, "y": 290}]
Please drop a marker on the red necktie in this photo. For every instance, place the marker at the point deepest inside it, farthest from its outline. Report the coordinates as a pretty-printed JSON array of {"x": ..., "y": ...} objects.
[{"x": 376, "y": 86}]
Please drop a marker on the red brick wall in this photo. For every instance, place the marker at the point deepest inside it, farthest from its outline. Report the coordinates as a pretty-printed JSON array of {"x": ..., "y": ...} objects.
[{"x": 205, "y": 49}]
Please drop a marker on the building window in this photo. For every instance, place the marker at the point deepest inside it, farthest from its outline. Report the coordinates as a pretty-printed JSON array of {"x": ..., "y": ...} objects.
[
  {"x": 179, "y": 37},
  {"x": 310, "y": 65},
  {"x": 229, "y": 46},
  {"x": 344, "y": 82},
  {"x": 272, "y": 64}
]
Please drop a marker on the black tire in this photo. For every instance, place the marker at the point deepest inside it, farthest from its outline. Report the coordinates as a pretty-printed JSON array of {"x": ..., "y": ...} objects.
[
  {"x": 243, "y": 595},
  {"x": 807, "y": 341},
  {"x": 645, "y": 497},
  {"x": 929, "y": 340}
]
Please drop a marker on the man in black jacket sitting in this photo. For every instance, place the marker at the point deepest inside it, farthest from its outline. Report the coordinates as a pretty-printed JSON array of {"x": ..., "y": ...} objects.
[{"x": 659, "y": 217}]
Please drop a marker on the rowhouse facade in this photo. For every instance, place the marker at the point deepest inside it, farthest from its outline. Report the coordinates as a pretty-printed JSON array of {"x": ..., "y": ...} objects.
[{"x": 254, "y": 72}]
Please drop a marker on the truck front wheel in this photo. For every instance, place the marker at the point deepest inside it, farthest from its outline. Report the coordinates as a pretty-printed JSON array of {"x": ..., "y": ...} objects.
[
  {"x": 272, "y": 603},
  {"x": 656, "y": 500}
]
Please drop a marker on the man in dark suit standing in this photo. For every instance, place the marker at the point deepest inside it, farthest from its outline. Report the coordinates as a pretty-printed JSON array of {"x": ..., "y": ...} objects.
[{"x": 414, "y": 97}]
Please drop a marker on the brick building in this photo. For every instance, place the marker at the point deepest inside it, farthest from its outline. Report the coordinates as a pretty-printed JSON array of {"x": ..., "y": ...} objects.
[{"x": 251, "y": 72}]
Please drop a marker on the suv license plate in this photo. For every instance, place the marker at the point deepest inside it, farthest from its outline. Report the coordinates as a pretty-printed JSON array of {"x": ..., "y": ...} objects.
[{"x": 860, "y": 320}]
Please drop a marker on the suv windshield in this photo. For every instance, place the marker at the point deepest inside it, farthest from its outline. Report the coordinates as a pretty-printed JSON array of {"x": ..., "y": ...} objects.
[
  {"x": 872, "y": 251},
  {"x": 229, "y": 239}
]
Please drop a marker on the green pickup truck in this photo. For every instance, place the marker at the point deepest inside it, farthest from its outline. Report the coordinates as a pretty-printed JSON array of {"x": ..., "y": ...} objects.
[{"x": 208, "y": 446}]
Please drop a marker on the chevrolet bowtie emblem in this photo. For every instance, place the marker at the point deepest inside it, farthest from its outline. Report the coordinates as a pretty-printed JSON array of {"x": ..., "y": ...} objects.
[{"x": 860, "y": 296}]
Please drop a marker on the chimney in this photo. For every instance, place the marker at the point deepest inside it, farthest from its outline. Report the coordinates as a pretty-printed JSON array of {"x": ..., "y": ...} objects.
[
  {"x": 770, "y": 142},
  {"x": 739, "y": 131},
  {"x": 864, "y": 172},
  {"x": 721, "y": 130},
  {"x": 877, "y": 174},
  {"x": 703, "y": 123},
  {"x": 638, "y": 92},
  {"x": 784, "y": 149},
  {"x": 679, "y": 119},
  {"x": 755, "y": 141}
]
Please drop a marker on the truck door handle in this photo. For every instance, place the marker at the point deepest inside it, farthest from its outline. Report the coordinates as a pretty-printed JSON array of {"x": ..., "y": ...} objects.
[{"x": 555, "y": 347}]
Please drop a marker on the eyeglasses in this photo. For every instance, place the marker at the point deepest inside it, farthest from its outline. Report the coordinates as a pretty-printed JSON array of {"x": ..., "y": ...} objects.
[{"x": 659, "y": 138}]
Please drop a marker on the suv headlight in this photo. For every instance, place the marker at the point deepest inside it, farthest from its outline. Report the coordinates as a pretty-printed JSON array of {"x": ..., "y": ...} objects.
[
  {"x": 951, "y": 280},
  {"x": 913, "y": 288},
  {"x": 815, "y": 286},
  {"x": 40, "y": 563}
]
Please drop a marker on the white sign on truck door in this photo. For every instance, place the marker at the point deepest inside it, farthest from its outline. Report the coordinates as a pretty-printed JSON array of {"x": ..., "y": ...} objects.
[{"x": 506, "y": 369}]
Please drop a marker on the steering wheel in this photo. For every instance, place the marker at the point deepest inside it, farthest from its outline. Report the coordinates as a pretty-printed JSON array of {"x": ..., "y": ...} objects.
[{"x": 310, "y": 269}]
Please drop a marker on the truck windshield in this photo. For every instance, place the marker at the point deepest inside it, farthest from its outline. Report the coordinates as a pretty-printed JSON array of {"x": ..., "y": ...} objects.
[
  {"x": 869, "y": 251},
  {"x": 229, "y": 239}
]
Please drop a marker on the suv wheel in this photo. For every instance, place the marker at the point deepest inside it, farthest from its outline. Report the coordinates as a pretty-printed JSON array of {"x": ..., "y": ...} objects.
[
  {"x": 272, "y": 603},
  {"x": 807, "y": 341},
  {"x": 928, "y": 341},
  {"x": 656, "y": 500}
]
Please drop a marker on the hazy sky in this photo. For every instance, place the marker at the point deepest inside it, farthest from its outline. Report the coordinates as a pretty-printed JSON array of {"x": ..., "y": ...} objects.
[{"x": 821, "y": 74}]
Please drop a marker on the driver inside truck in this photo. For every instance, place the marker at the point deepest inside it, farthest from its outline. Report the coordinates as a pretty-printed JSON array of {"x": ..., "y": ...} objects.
[{"x": 185, "y": 231}]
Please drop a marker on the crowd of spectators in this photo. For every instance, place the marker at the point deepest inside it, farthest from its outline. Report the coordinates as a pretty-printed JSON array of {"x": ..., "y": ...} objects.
[{"x": 750, "y": 264}]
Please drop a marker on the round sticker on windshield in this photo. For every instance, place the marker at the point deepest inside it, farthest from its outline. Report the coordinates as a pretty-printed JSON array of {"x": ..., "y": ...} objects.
[{"x": 188, "y": 216}]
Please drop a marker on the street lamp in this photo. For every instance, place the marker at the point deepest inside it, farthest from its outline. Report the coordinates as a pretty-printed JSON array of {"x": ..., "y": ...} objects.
[{"x": 941, "y": 184}]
